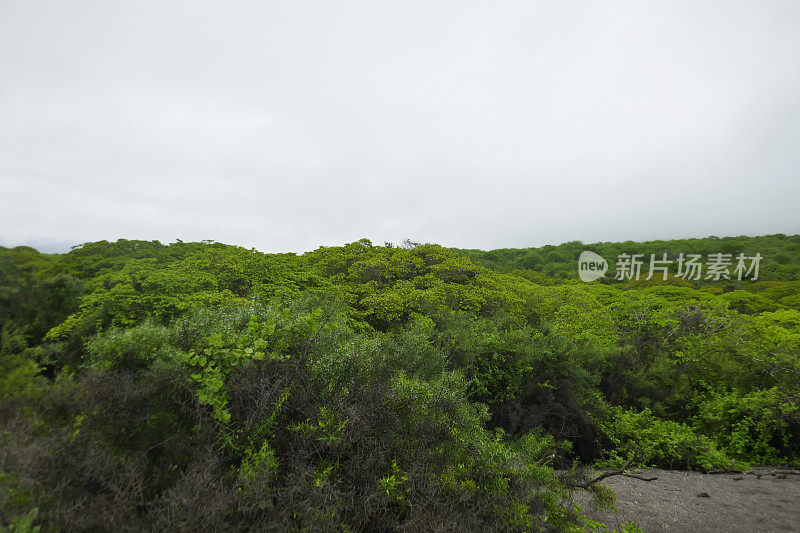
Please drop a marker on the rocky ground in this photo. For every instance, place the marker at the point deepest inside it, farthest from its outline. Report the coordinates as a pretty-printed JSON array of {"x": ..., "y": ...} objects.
[{"x": 762, "y": 500}]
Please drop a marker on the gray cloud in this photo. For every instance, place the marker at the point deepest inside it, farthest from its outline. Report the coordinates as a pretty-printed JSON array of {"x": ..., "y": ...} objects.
[{"x": 287, "y": 125}]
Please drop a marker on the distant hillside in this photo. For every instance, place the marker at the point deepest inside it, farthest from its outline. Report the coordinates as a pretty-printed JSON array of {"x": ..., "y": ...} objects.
[{"x": 780, "y": 255}]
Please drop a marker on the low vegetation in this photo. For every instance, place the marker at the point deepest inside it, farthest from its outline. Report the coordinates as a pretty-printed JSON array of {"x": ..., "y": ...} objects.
[{"x": 200, "y": 386}]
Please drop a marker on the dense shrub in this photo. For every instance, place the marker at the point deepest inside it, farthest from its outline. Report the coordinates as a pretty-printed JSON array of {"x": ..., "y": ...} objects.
[
  {"x": 660, "y": 443},
  {"x": 199, "y": 386},
  {"x": 139, "y": 447},
  {"x": 761, "y": 427}
]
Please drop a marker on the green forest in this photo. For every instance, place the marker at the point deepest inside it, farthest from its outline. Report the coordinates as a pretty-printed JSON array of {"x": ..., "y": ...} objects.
[{"x": 202, "y": 386}]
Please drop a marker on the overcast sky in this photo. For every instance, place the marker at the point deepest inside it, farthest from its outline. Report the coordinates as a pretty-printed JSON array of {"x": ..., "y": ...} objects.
[{"x": 289, "y": 125}]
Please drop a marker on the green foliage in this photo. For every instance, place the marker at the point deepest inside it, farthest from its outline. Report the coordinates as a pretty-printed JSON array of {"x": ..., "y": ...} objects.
[
  {"x": 23, "y": 523},
  {"x": 211, "y": 365},
  {"x": 327, "y": 428},
  {"x": 761, "y": 426},
  {"x": 133, "y": 348},
  {"x": 260, "y": 464},
  {"x": 18, "y": 372},
  {"x": 199, "y": 386},
  {"x": 393, "y": 486},
  {"x": 661, "y": 443}
]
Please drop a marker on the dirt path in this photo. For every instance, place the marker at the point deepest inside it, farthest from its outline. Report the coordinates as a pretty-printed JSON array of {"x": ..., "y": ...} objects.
[{"x": 690, "y": 501}]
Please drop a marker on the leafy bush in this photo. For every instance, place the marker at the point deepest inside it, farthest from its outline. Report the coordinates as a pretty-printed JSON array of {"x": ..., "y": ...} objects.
[
  {"x": 139, "y": 447},
  {"x": 18, "y": 372},
  {"x": 761, "y": 426},
  {"x": 660, "y": 443},
  {"x": 133, "y": 348}
]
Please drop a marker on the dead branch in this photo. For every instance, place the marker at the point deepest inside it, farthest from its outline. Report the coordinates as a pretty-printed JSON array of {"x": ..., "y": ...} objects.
[{"x": 618, "y": 472}]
